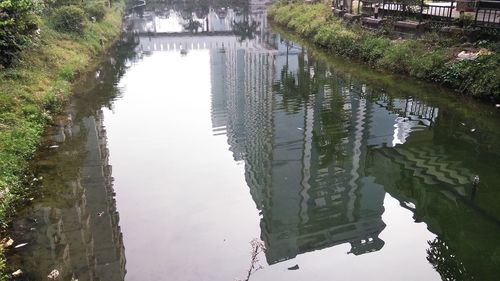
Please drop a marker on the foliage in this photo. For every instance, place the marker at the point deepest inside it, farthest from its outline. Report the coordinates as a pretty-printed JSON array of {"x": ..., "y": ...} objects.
[
  {"x": 399, "y": 54},
  {"x": 245, "y": 30},
  {"x": 70, "y": 19},
  {"x": 426, "y": 65},
  {"x": 476, "y": 77},
  {"x": 430, "y": 57},
  {"x": 372, "y": 48},
  {"x": 59, "y": 3},
  {"x": 465, "y": 20},
  {"x": 18, "y": 21},
  {"x": 96, "y": 10}
]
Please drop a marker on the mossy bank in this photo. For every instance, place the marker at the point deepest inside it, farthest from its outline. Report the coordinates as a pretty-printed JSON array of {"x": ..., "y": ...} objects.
[
  {"x": 431, "y": 57},
  {"x": 35, "y": 85}
]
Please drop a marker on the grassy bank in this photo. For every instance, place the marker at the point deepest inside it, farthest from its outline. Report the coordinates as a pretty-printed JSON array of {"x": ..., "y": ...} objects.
[
  {"x": 431, "y": 57},
  {"x": 35, "y": 87}
]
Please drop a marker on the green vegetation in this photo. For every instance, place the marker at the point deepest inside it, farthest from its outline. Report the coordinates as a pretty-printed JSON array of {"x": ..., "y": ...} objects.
[
  {"x": 69, "y": 19},
  {"x": 40, "y": 58},
  {"x": 431, "y": 57},
  {"x": 17, "y": 23}
]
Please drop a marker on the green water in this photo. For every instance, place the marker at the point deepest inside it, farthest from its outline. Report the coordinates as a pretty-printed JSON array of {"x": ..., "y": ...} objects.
[{"x": 180, "y": 149}]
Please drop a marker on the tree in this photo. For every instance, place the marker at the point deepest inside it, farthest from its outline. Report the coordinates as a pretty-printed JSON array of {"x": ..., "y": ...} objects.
[{"x": 18, "y": 21}]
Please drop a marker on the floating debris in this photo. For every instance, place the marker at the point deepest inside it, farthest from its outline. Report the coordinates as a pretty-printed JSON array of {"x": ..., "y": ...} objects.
[
  {"x": 53, "y": 274},
  {"x": 54, "y": 146},
  {"x": 100, "y": 214},
  {"x": 300, "y": 129},
  {"x": 20, "y": 245},
  {"x": 472, "y": 130},
  {"x": 497, "y": 105},
  {"x": 7, "y": 242},
  {"x": 476, "y": 180},
  {"x": 295, "y": 267},
  {"x": 17, "y": 273}
]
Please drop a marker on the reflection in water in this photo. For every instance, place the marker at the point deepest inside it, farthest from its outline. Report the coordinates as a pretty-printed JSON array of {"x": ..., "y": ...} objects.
[
  {"x": 78, "y": 235},
  {"x": 321, "y": 149},
  {"x": 74, "y": 227},
  {"x": 305, "y": 202},
  {"x": 325, "y": 154}
]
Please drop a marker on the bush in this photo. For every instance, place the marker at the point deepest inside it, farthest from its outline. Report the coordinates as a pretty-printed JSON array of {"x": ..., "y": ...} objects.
[
  {"x": 69, "y": 19},
  {"x": 96, "y": 10},
  {"x": 18, "y": 20},
  {"x": 428, "y": 65},
  {"x": 398, "y": 56},
  {"x": 59, "y": 3},
  {"x": 476, "y": 77},
  {"x": 465, "y": 20},
  {"x": 373, "y": 48}
]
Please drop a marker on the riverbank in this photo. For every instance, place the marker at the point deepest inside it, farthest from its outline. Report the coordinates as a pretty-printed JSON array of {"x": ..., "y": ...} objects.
[
  {"x": 34, "y": 89},
  {"x": 431, "y": 57}
]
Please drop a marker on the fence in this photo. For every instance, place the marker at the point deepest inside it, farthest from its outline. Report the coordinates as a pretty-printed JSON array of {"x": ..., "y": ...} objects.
[
  {"x": 487, "y": 14},
  {"x": 441, "y": 12}
]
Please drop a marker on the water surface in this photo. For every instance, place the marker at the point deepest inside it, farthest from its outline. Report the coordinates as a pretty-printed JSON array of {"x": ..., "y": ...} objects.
[{"x": 205, "y": 129}]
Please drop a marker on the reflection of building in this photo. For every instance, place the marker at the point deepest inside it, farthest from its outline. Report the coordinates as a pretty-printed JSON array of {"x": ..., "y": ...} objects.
[
  {"x": 305, "y": 207},
  {"x": 314, "y": 179},
  {"x": 79, "y": 234},
  {"x": 314, "y": 206},
  {"x": 165, "y": 31}
]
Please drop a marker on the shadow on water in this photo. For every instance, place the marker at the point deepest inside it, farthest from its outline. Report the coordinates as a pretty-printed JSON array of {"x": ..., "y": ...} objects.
[
  {"x": 324, "y": 145},
  {"x": 72, "y": 227}
]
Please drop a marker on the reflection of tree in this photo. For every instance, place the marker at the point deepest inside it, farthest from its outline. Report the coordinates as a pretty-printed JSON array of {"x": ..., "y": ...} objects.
[
  {"x": 328, "y": 137},
  {"x": 444, "y": 260},
  {"x": 192, "y": 25},
  {"x": 102, "y": 91},
  {"x": 245, "y": 29},
  {"x": 294, "y": 87}
]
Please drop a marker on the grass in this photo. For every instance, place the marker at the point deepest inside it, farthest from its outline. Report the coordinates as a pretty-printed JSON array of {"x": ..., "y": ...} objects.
[
  {"x": 430, "y": 58},
  {"x": 36, "y": 88}
]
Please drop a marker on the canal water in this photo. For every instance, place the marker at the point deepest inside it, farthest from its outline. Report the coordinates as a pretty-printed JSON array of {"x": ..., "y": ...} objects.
[{"x": 208, "y": 146}]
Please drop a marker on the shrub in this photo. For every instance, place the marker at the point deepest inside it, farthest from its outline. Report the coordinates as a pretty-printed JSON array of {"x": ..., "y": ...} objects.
[
  {"x": 465, "y": 20},
  {"x": 96, "y": 10},
  {"x": 398, "y": 56},
  {"x": 69, "y": 19},
  {"x": 428, "y": 65},
  {"x": 476, "y": 77},
  {"x": 373, "y": 48},
  {"x": 59, "y": 3},
  {"x": 18, "y": 20}
]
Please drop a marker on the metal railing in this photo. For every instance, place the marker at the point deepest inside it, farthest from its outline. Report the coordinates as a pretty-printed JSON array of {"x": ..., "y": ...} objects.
[
  {"x": 433, "y": 12},
  {"x": 487, "y": 14}
]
